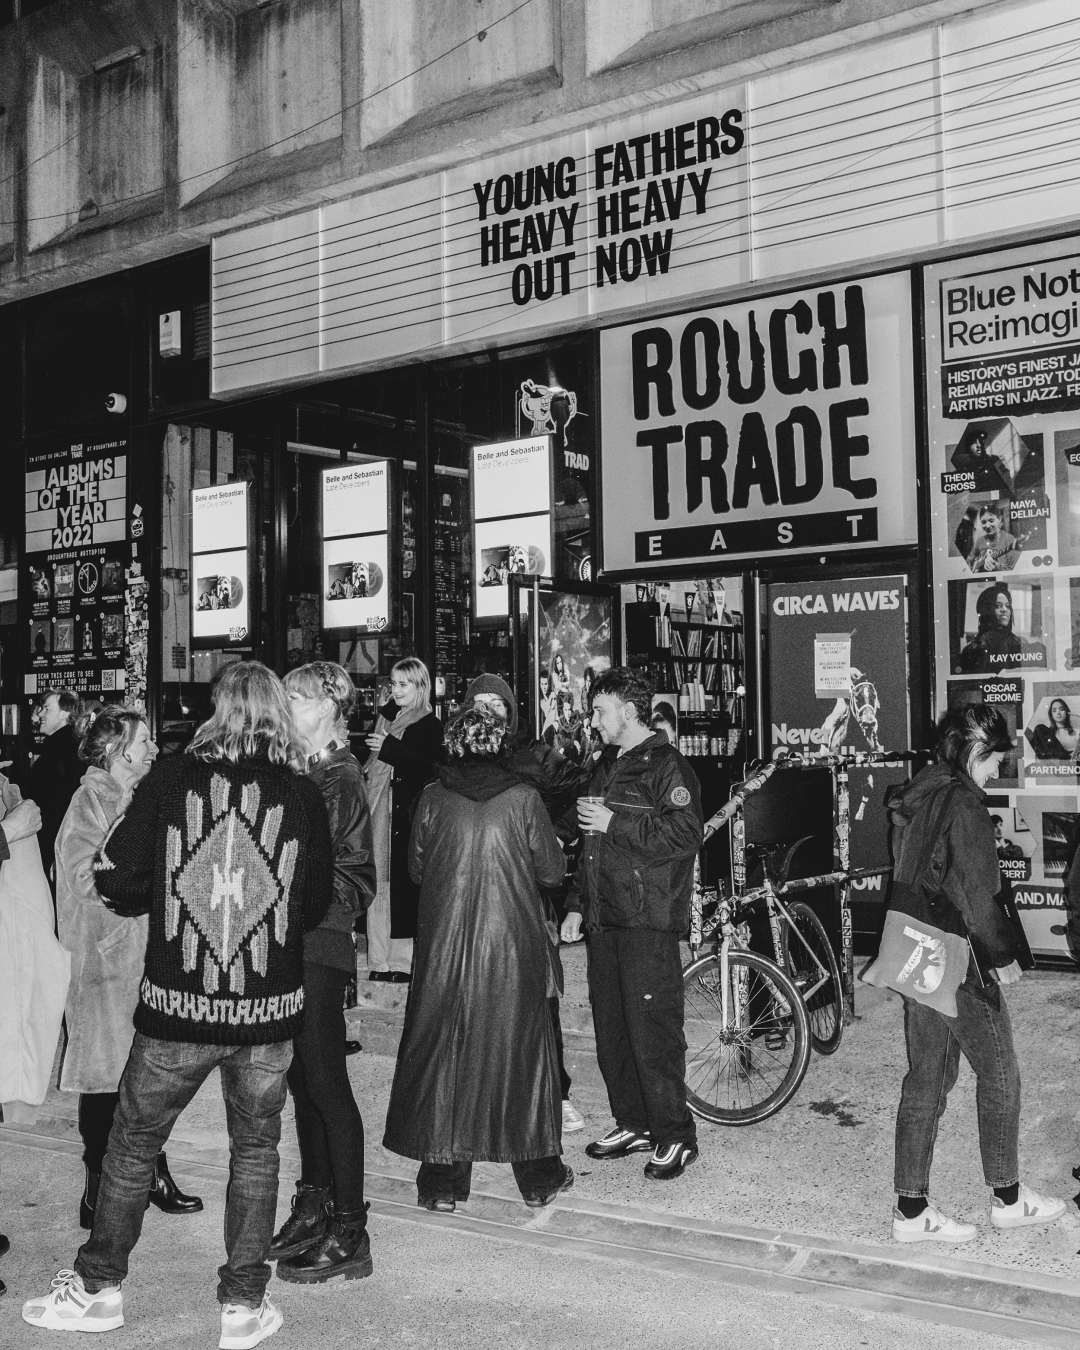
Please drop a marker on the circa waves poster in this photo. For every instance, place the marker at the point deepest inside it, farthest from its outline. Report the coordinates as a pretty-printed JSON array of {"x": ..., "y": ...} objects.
[
  {"x": 838, "y": 684},
  {"x": 1003, "y": 401},
  {"x": 780, "y": 425}
]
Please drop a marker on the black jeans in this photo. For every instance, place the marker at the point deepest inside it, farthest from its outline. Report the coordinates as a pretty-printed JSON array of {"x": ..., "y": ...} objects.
[
  {"x": 96, "y": 1111},
  {"x": 636, "y": 990},
  {"x": 329, "y": 1129},
  {"x": 160, "y": 1080},
  {"x": 564, "y": 1077},
  {"x": 452, "y": 1181}
]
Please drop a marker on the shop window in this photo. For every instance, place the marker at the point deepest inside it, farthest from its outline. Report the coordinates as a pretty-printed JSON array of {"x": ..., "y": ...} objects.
[
  {"x": 370, "y": 417},
  {"x": 538, "y": 391},
  {"x": 199, "y": 456},
  {"x": 689, "y": 637}
]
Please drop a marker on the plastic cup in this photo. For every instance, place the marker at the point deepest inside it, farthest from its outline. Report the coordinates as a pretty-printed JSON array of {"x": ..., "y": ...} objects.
[{"x": 598, "y": 800}]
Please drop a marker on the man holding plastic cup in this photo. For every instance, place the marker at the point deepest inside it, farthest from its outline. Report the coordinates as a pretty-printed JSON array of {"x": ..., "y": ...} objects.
[{"x": 642, "y": 827}]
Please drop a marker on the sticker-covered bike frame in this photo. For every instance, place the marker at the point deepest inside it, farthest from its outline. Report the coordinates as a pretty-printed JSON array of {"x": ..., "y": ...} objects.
[{"x": 842, "y": 877}]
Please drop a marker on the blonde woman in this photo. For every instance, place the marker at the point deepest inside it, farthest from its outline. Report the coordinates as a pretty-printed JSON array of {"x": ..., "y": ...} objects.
[{"x": 406, "y": 750}]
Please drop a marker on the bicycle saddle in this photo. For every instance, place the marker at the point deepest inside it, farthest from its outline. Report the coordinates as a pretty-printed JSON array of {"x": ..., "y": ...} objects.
[{"x": 776, "y": 859}]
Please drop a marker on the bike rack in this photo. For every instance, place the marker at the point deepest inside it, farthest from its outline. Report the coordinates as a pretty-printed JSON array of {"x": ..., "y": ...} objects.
[{"x": 840, "y": 766}]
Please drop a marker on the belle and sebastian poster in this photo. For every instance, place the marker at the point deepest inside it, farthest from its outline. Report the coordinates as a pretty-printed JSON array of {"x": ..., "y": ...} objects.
[
  {"x": 1003, "y": 405},
  {"x": 780, "y": 425}
]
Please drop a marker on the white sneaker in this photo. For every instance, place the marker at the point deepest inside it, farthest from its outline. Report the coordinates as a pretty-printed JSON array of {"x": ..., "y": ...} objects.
[
  {"x": 1029, "y": 1208},
  {"x": 931, "y": 1226},
  {"x": 572, "y": 1119},
  {"x": 68, "y": 1307},
  {"x": 242, "y": 1327}
]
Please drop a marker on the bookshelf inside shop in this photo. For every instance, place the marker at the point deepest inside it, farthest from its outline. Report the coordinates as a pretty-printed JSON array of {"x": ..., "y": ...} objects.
[{"x": 688, "y": 636}]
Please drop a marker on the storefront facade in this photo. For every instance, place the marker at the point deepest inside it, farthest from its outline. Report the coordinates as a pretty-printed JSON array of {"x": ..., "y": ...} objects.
[{"x": 799, "y": 345}]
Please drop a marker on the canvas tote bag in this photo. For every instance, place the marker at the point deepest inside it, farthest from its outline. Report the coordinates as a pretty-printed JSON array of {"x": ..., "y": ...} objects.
[{"x": 916, "y": 957}]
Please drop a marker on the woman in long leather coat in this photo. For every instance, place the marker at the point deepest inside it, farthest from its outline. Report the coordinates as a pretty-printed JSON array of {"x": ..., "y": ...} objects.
[
  {"x": 326, "y": 1233},
  {"x": 477, "y": 1077}
]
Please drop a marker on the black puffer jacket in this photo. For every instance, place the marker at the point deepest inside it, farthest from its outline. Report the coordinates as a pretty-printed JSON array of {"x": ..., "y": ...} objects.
[
  {"x": 639, "y": 873},
  {"x": 340, "y": 779}
]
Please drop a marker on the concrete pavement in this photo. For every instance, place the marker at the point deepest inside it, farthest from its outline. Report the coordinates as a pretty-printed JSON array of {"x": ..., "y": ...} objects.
[
  {"x": 798, "y": 1205},
  {"x": 434, "y": 1285}
]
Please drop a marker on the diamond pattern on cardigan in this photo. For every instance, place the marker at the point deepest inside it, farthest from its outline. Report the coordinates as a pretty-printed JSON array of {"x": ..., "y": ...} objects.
[{"x": 228, "y": 886}]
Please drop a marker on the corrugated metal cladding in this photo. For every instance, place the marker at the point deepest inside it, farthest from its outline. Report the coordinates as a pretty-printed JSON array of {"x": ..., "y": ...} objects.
[{"x": 962, "y": 129}]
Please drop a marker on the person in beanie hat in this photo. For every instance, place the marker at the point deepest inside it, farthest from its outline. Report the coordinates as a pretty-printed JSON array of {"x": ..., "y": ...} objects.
[{"x": 558, "y": 782}]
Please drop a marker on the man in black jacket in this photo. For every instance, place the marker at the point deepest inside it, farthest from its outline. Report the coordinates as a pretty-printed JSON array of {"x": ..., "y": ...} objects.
[
  {"x": 632, "y": 888},
  {"x": 57, "y": 771}
]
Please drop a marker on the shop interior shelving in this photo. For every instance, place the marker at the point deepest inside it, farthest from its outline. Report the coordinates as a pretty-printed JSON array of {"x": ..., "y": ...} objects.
[{"x": 703, "y": 661}]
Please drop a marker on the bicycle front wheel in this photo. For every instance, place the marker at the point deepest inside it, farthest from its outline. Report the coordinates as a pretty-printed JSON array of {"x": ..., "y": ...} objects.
[
  {"x": 813, "y": 965},
  {"x": 742, "y": 1066}
]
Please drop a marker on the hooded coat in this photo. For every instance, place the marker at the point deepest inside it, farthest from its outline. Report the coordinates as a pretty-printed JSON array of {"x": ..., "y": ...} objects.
[
  {"x": 108, "y": 952},
  {"x": 557, "y": 779},
  {"x": 949, "y": 855},
  {"x": 477, "y": 1075}
]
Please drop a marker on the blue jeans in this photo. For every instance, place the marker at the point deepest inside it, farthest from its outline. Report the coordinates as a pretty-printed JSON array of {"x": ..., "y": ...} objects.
[
  {"x": 982, "y": 1032},
  {"x": 160, "y": 1079}
]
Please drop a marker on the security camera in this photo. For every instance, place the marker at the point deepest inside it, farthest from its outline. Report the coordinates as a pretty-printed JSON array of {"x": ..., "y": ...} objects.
[{"x": 116, "y": 403}]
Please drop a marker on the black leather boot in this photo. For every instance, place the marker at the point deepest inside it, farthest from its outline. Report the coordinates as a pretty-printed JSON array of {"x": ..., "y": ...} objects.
[
  {"x": 167, "y": 1195},
  {"x": 306, "y": 1224},
  {"x": 89, "y": 1199},
  {"x": 344, "y": 1251}
]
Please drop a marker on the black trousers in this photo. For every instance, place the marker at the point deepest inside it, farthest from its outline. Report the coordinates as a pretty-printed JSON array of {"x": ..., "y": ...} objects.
[
  {"x": 329, "y": 1129},
  {"x": 452, "y": 1181},
  {"x": 564, "y": 1077},
  {"x": 96, "y": 1110},
  {"x": 636, "y": 991}
]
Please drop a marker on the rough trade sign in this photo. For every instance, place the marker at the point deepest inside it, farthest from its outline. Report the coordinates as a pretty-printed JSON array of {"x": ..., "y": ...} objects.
[{"x": 780, "y": 425}]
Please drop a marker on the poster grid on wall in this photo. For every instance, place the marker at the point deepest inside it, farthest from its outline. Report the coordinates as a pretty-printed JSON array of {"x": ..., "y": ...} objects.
[
  {"x": 1003, "y": 405},
  {"x": 80, "y": 572}
]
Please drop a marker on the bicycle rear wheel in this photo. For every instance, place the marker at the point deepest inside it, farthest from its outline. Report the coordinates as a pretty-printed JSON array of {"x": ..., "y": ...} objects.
[
  {"x": 744, "y": 1069},
  {"x": 824, "y": 1004}
]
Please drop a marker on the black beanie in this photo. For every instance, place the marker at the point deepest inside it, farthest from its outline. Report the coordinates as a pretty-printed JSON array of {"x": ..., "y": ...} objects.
[{"x": 492, "y": 684}]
